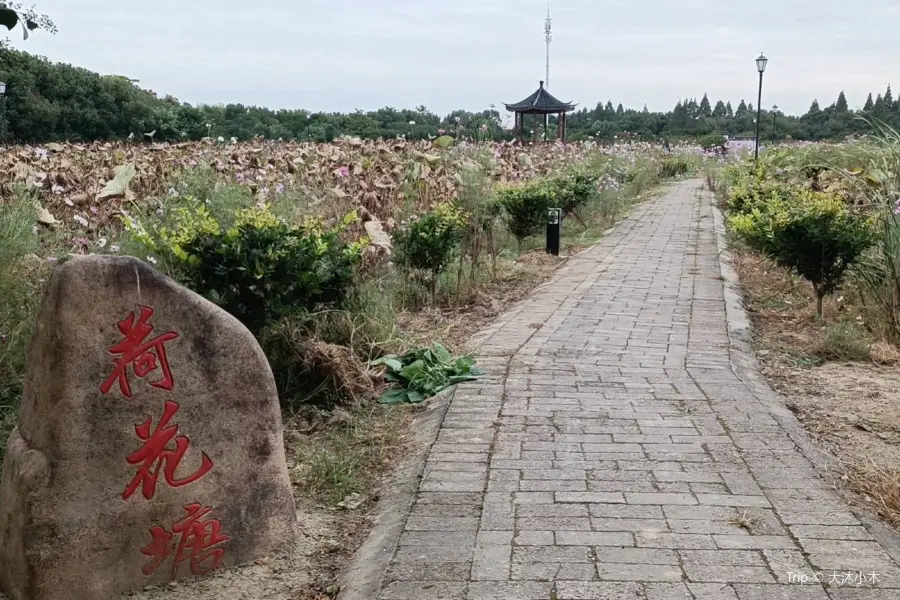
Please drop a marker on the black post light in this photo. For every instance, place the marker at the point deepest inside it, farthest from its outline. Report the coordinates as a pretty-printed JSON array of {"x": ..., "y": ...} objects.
[
  {"x": 761, "y": 63},
  {"x": 554, "y": 221},
  {"x": 2, "y": 112}
]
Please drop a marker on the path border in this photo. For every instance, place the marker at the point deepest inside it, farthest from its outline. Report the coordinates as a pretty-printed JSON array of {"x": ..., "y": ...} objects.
[
  {"x": 362, "y": 577},
  {"x": 746, "y": 368}
]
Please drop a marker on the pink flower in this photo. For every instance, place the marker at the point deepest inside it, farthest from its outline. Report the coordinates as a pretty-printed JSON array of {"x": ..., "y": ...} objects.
[
  {"x": 342, "y": 172},
  {"x": 441, "y": 132},
  {"x": 897, "y": 207}
]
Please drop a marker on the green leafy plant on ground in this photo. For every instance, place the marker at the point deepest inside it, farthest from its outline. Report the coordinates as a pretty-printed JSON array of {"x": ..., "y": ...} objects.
[{"x": 423, "y": 372}]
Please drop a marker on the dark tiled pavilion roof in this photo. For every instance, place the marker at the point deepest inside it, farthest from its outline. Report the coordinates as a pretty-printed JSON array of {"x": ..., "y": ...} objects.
[{"x": 540, "y": 102}]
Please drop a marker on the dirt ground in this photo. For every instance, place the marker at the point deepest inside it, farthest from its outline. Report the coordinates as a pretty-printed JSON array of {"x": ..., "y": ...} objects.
[{"x": 852, "y": 407}]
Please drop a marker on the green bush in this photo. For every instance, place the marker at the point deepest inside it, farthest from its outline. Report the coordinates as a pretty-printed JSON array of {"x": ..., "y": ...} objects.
[
  {"x": 814, "y": 234},
  {"x": 674, "y": 166},
  {"x": 257, "y": 267},
  {"x": 525, "y": 209},
  {"x": 431, "y": 242},
  {"x": 572, "y": 192},
  {"x": 714, "y": 142},
  {"x": 746, "y": 196}
]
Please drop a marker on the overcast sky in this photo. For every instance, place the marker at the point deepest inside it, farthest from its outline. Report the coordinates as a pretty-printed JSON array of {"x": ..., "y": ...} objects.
[{"x": 339, "y": 55}]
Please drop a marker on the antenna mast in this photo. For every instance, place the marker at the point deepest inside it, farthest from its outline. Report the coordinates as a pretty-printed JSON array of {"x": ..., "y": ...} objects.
[{"x": 548, "y": 35}]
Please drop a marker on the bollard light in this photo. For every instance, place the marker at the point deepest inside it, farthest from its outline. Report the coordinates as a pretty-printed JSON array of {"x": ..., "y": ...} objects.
[{"x": 554, "y": 219}]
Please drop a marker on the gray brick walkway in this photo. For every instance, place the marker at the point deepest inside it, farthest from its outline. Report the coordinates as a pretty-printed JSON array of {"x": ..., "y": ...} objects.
[{"x": 613, "y": 454}]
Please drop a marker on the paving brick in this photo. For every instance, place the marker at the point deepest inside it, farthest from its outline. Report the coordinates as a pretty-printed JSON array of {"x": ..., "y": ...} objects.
[
  {"x": 697, "y": 477},
  {"x": 441, "y": 524},
  {"x": 590, "y": 497},
  {"x": 727, "y": 573},
  {"x": 637, "y": 556},
  {"x": 599, "y": 590},
  {"x": 428, "y": 571},
  {"x": 667, "y": 591},
  {"x": 594, "y": 538},
  {"x": 495, "y": 590},
  {"x": 553, "y": 523},
  {"x": 754, "y": 542},
  {"x": 638, "y": 572},
  {"x": 779, "y": 592},
  {"x": 552, "y": 554},
  {"x": 831, "y": 532},
  {"x": 662, "y": 498},
  {"x": 842, "y": 547},
  {"x": 491, "y": 562},
  {"x": 674, "y": 540},
  {"x": 407, "y": 590},
  {"x": 625, "y": 511},
  {"x": 434, "y": 538},
  {"x": 551, "y": 571},
  {"x": 723, "y": 557},
  {"x": 712, "y": 591},
  {"x": 534, "y": 538},
  {"x": 618, "y": 524},
  {"x": 860, "y": 594}
]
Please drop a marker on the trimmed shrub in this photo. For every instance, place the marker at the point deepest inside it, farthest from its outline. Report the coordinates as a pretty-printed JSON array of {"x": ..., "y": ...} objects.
[
  {"x": 814, "y": 234},
  {"x": 257, "y": 267},
  {"x": 525, "y": 209},
  {"x": 431, "y": 242}
]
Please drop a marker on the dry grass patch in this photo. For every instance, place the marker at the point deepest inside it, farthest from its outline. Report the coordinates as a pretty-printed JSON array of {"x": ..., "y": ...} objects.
[
  {"x": 841, "y": 385},
  {"x": 455, "y": 319}
]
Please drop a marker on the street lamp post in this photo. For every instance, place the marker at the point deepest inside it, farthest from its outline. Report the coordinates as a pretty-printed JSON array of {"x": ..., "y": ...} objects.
[
  {"x": 2, "y": 112},
  {"x": 761, "y": 67},
  {"x": 774, "y": 120}
]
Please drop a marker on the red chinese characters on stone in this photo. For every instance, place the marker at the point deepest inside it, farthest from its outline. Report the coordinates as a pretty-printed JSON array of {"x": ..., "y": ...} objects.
[
  {"x": 145, "y": 356},
  {"x": 197, "y": 538},
  {"x": 163, "y": 450}
]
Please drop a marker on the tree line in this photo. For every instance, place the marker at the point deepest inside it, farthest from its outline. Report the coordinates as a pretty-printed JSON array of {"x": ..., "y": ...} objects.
[{"x": 48, "y": 101}]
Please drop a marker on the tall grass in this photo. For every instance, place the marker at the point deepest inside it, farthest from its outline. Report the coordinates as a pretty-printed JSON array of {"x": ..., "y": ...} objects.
[
  {"x": 20, "y": 271},
  {"x": 877, "y": 275}
]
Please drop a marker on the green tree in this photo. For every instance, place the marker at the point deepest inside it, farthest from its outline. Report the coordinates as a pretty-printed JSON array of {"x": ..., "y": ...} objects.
[
  {"x": 841, "y": 105},
  {"x": 705, "y": 109},
  {"x": 869, "y": 104}
]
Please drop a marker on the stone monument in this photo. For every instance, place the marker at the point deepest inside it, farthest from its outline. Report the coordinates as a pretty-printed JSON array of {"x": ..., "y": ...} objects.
[{"x": 149, "y": 443}]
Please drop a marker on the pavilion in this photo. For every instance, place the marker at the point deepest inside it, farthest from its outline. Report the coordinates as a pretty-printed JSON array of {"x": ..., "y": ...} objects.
[{"x": 541, "y": 102}]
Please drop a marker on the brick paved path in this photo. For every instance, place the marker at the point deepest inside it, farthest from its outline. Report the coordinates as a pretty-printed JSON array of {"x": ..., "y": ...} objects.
[{"x": 614, "y": 452}]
